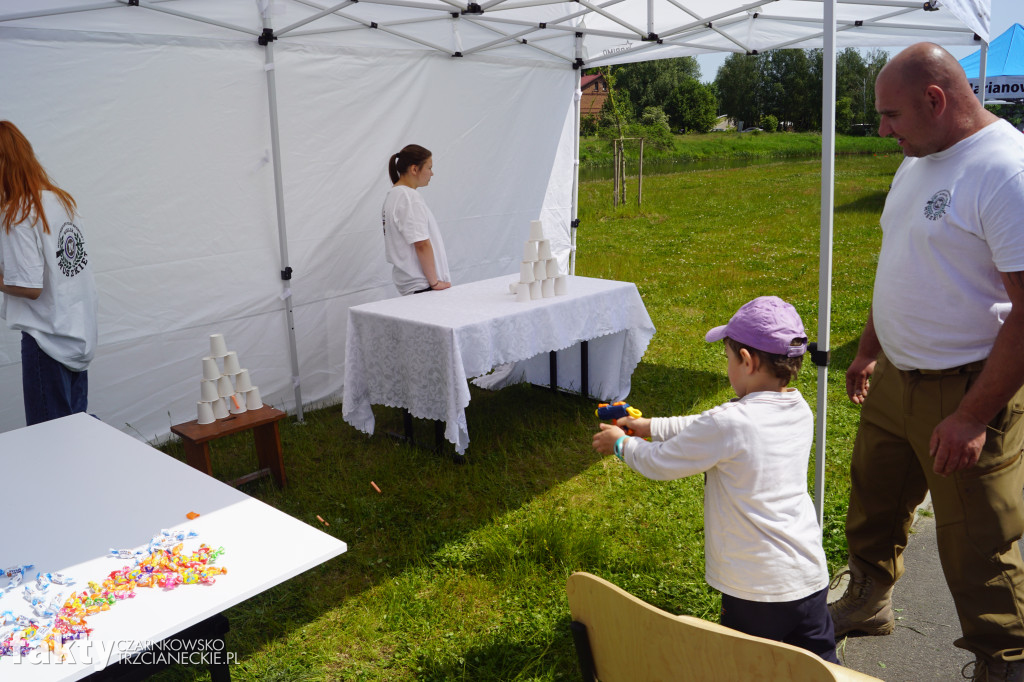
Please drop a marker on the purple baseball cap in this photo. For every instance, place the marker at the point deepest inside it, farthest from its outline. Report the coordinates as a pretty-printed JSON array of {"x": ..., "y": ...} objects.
[{"x": 767, "y": 323}]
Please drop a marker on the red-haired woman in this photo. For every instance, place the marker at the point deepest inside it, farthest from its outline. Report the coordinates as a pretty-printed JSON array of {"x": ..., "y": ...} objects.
[
  {"x": 412, "y": 240},
  {"x": 47, "y": 282}
]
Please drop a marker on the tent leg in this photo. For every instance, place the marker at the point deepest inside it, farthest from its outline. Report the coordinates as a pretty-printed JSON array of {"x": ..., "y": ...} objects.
[
  {"x": 574, "y": 208},
  {"x": 282, "y": 232},
  {"x": 828, "y": 158},
  {"x": 982, "y": 73}
]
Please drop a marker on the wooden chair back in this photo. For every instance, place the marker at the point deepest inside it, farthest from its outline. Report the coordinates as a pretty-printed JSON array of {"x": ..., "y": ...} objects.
[{"x": 632, "y": 641}]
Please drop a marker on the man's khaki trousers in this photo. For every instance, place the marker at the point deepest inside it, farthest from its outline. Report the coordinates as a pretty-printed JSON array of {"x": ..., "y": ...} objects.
[{"x": 979, "y": 512}]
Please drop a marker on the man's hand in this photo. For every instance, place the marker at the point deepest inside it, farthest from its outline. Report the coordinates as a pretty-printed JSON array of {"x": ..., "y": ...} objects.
[
  {"x": 956, "y": 443},
  {"x": 857, "y": 378}
]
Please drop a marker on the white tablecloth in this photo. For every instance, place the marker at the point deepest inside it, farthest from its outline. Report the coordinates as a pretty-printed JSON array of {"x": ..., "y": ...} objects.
[
  {"x": 418, "y": 351},
  {"x": 75, "y": 488}
]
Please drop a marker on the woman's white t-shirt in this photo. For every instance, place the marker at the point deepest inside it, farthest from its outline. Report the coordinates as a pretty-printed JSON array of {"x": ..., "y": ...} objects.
[
  {"x": 63, "y": 319},
  {"x": 407, "y": 220}
]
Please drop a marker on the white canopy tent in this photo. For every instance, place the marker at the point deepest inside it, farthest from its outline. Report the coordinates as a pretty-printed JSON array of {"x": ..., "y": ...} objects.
[{"x": 217, "y": 147}]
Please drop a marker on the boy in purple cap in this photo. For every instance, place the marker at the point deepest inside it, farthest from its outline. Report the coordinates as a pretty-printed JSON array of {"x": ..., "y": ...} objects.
[{"x": 762, "y": 540}]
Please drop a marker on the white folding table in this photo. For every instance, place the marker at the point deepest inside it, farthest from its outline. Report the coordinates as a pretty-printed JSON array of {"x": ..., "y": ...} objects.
[
  {"x": 75, "y": 488},
  {"x": 418, "y": 352}
]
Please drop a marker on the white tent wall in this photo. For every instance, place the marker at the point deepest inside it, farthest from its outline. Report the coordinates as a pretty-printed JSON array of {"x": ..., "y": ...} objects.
[
  {"x": 159, "y": 125},
  {"x": 165, "y": 144}
]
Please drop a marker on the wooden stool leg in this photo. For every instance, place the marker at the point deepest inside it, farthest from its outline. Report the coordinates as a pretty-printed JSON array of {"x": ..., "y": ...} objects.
[
  {"x": 268, "y": 450},
  {"x": 197, "y": 455}
]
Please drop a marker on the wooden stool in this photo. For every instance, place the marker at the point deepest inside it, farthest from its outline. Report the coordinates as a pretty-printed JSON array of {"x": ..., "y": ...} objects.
[{"x": 263, "y": 423}]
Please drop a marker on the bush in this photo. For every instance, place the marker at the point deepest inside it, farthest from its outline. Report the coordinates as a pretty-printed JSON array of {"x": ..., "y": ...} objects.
[
  {"x": 588, "y": 126},
  {"x": 769, "y": 123}
]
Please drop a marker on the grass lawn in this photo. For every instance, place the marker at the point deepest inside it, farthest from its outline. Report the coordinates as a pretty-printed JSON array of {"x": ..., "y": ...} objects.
[
  {"x": 458, "y": 572},
  {"x": 754, "y": 145}
]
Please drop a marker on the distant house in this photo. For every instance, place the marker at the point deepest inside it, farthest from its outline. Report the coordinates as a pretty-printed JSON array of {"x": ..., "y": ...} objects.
[{"x": 595, "y": 92}]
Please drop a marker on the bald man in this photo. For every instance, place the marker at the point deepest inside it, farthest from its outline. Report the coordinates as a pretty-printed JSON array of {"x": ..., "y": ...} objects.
[{"x": 944, "y": 349}]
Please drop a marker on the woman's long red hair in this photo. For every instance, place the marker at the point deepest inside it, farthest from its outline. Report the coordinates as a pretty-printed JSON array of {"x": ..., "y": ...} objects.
[{"x": 23, "y": 181}]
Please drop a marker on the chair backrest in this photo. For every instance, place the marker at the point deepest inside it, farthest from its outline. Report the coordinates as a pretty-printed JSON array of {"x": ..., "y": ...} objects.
[{"x": 632, "y": 641}]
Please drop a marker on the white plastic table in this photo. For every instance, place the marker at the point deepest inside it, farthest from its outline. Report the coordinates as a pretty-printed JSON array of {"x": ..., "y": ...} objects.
[
  {"x": 418, "y": 352},
  {"x": 74, "y": 488}
]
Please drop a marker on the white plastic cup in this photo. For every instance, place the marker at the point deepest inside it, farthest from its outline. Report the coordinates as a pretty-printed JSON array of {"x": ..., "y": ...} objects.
[
  {"x": 544, "y": 249},
  {"x": 536, "y": 230},
  {"x": 561, "y": 285},
  {"x": 224, "y": 387},
  {"x": 218, "y": 346},
  {"x": 231, "y": 365},
  {"x": 204, "y": 412},
  {"x": 552, "y": 267},
  {"x": 208, "y": 390},
  {"x": 236, "y": 403},
  {"x": 210, "y": 369},
  {"x": 242, "y": 381},
  {"x": 523, "y": 293},
  {"x": 540, "y": 270},
  {"x": 526, "y": 272},
  {"x": 530, "y": 251},
  {"x": 220, "y": 408},
  {"x": 252, "y": 398},
  {"x": 548, "y": 288},
  {"x": 535, "y": 290}
]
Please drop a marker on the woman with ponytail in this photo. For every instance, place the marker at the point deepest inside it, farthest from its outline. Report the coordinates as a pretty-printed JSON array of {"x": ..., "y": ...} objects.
[
  {"x": 412, "y": 240},
  {"x": 47, "y": 282}
]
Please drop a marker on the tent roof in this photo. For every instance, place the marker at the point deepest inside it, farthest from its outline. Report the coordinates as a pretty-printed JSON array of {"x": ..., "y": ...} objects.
[
  {"x": 1005, "y": 56},
  {"x": 612, "y": 31}
]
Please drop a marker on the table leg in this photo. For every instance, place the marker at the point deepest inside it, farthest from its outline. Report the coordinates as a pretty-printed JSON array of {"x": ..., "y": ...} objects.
[
  {"x": 197, "y": 455},
  {"x": 268, "y": 450},
  {"x": 407, "y": 426},
  {"x": 553, "y": 369},
  {"x": 584, "y": 368}
]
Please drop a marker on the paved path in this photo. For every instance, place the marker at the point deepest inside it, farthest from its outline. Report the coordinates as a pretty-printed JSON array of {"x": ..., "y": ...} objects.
[{"x": 921, "y": 648}]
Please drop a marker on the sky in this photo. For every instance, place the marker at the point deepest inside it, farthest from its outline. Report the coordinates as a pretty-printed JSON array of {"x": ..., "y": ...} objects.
[{"x": 1004, "y": 14}]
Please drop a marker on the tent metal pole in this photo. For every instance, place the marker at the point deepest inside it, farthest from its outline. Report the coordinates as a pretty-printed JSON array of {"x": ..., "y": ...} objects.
[
  {"x": 828, "y": 159},
  {"x": 574, "y": 209},
  {"x": 282, "y": 231},
  {"x": 982, "y": 73}
]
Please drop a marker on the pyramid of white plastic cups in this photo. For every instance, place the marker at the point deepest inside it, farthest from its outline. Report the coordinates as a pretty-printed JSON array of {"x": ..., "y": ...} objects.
[
  {"x": 226, "y": 388},
  {"x": 538, "y": 273}
]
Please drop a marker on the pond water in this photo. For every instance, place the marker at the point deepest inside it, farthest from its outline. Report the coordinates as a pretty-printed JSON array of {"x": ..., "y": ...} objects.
[{"x": 661, "y": 167}]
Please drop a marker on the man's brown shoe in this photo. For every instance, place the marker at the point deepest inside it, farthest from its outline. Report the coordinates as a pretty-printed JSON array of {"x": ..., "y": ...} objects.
[{"x": 866, "y": 607}]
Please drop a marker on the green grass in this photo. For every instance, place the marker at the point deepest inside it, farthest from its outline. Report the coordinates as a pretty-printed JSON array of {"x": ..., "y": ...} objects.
[
  {"x": 755, "y": 145},
  {"x": 458, "y": 572}
]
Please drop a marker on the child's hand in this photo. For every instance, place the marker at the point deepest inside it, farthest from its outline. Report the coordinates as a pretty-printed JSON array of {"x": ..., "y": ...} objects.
[
  {"x": 641, "y": 426},
  {"x": 604, "y": 440}
]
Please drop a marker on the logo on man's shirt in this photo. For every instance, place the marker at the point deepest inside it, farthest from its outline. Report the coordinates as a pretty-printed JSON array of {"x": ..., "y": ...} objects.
[
  {"x": 71, "y": 258},
  {"x": 937, "y": 205}
]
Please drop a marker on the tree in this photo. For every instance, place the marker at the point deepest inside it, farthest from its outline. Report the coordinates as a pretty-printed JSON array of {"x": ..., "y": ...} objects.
[
  {"x": 652, "y": 84},
  {"x": 844, "y": 114},
  {"x": 654, "y": 128},
  {"x": 851, "y": 85},
  {"x": 737, "y": 83},
  {"x": 693, "y": 107}
]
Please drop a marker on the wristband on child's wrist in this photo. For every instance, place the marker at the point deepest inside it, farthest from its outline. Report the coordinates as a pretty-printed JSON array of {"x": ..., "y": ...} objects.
[{"x": 618, "y": 446}]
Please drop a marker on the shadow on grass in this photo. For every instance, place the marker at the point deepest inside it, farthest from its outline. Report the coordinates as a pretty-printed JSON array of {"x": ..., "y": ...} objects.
[
  {"x": 525, "y": 441},
  {"x": 503, "y": 659},
  {"x": 868, "y": 203}
]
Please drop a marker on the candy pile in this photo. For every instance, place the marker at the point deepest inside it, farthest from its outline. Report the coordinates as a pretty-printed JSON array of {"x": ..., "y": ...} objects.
[{"x": 164, "y": 563}]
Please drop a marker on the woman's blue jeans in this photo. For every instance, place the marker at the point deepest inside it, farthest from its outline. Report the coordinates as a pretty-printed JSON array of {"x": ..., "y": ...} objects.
[{"x": 51, "y": 390}]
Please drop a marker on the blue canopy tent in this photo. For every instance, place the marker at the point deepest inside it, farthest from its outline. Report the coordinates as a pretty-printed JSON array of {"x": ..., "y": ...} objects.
[{"x": 1003, "y": 74}]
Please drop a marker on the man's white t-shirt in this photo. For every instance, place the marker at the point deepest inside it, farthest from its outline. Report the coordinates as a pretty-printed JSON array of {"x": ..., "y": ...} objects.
[
  {"x": 63, "y": 319},
  {"x": 952, "y": 222},
  {"x": 407, "y": 220},
  {"x": 762, "y": 541}
]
